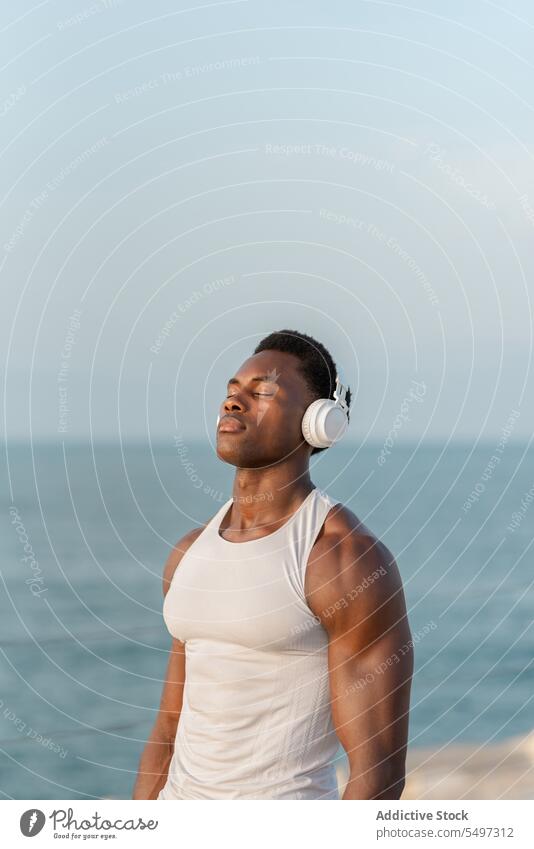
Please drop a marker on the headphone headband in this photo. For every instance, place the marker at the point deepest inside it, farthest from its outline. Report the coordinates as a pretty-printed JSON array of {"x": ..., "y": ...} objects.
[{"x": 340, "y": 393}]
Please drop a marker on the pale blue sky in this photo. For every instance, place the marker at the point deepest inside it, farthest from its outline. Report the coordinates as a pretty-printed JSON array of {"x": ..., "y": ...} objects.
[{"x": 361, "y": 171}]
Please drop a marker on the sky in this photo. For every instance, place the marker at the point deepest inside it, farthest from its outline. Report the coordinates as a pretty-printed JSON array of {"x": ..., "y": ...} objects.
[{"x": 179, "y": 182}]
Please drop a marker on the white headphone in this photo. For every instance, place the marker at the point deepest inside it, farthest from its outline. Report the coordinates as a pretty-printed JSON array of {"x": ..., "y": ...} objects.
[{"x": 326, "y": 419}]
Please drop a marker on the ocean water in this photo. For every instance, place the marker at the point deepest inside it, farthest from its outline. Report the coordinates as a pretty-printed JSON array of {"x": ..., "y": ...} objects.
[{"x": 82, "y": 640}]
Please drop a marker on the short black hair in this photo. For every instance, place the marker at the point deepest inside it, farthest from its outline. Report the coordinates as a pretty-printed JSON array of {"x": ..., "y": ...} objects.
[{"x": 316, "y": 363}]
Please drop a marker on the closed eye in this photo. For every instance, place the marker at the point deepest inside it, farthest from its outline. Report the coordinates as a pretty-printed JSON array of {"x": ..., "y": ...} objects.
[{"x": 262, "y": 394}]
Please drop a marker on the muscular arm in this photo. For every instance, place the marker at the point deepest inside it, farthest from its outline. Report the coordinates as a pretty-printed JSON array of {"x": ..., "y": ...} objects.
[
  {"x": 354, "y": 587},
  {"x": 157, "y": 754}
]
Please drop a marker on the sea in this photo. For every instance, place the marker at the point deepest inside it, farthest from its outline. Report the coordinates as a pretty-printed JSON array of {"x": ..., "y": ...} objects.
[{"x": 85, "y": 529}]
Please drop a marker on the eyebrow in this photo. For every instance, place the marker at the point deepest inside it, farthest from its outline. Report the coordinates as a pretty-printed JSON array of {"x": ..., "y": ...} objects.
[{"x": 235, "y": 382}]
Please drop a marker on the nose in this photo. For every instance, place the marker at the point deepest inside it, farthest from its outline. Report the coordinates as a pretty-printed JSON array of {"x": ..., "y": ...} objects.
[{"x": 233, "y": 403}]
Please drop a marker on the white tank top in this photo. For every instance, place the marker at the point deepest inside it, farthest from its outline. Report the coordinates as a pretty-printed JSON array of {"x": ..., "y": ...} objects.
[{"x": 256, "y": 719}]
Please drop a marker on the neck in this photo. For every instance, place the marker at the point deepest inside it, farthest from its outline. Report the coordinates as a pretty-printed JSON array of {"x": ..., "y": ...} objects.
[{"x": 265, "y": 496}]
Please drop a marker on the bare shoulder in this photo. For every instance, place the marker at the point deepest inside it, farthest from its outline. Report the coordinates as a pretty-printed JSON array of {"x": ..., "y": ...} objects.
[
  {"x": 176, "y": 554},
  {"x": 348, "y": 562},
  {"x": 346, "y": 544}
]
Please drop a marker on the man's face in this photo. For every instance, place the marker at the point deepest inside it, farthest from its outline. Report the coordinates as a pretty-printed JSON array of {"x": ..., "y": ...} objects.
[{"x": 261, "y": 417}]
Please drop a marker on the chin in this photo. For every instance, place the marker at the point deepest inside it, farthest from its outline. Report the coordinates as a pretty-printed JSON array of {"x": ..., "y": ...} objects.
[{"x": 241, "y": 457}]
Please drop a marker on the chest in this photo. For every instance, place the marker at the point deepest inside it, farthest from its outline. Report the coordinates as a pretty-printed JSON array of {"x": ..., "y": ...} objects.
[{"x": 256, "y": 602}]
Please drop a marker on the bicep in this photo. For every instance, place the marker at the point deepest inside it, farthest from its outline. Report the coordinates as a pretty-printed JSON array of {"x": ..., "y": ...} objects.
[
  {"x": 370, "y": 652},
  {"x": 370, "y": 694}
]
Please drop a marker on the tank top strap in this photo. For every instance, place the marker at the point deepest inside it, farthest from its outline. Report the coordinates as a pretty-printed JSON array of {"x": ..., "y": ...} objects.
[
  {"x": 212, "y": 526},
  {"x": 304, "y": 531}
]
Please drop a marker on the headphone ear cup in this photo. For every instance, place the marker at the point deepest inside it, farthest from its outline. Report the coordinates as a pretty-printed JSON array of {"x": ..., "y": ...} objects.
[
  {"x": 309, "y": 420},
  {"x": 324, "y": 423}
]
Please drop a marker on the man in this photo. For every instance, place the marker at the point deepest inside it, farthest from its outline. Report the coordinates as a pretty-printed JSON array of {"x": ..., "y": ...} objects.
[{"x": 288, "y": 617}]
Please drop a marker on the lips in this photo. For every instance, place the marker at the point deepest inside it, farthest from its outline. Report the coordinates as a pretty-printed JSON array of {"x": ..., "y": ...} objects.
[{"x": 230, "y": 424}]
